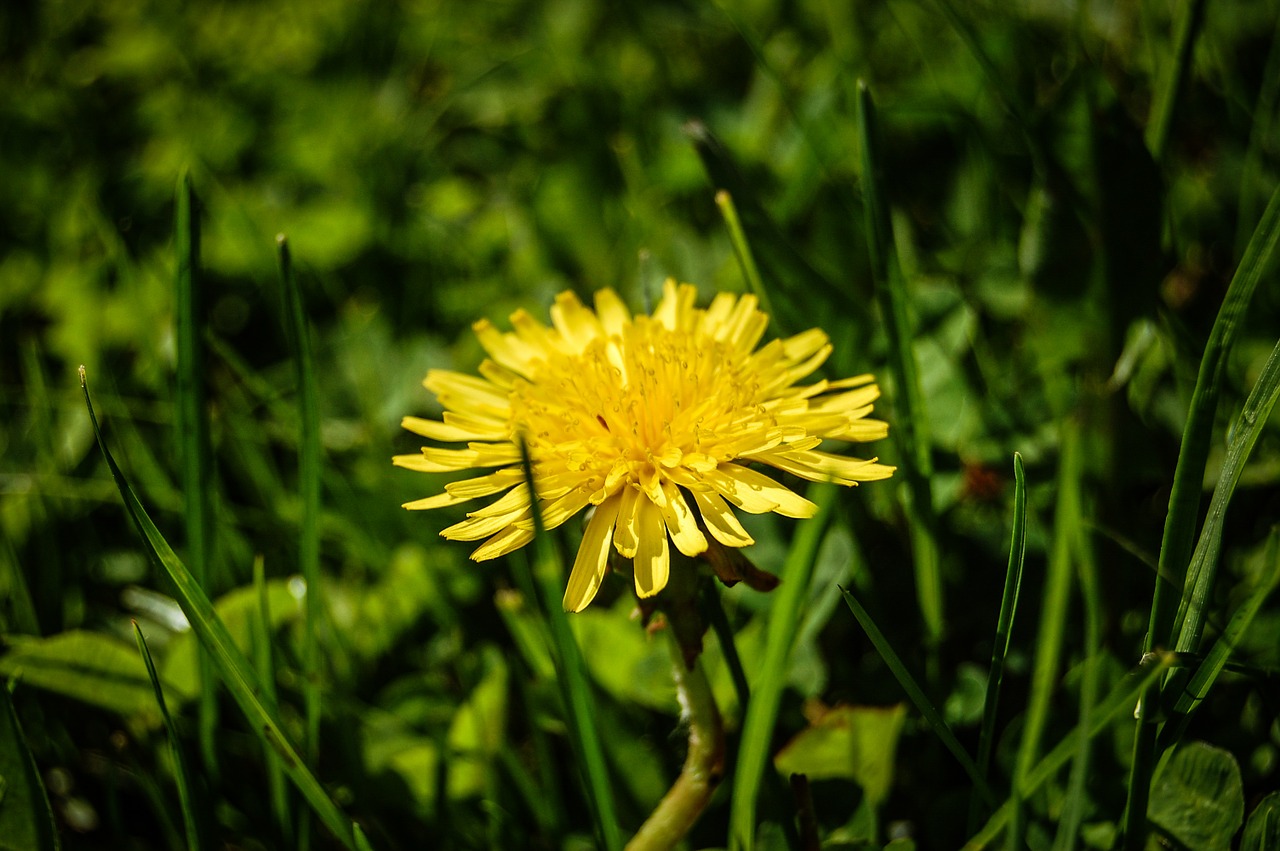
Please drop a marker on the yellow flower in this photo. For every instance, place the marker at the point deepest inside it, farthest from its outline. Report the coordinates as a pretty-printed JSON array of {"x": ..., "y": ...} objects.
[{"x": 650, "y": 419}]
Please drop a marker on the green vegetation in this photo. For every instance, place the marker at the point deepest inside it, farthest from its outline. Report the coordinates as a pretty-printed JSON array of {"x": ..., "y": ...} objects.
[{"x": 1051, "y": 230}]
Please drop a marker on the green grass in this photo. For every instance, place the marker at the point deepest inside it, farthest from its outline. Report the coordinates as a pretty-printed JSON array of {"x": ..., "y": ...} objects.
[{"x": 1052, "y": 238}]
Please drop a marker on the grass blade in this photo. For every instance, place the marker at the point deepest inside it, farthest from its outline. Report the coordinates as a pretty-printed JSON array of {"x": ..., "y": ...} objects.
[
  {"x": 186, "y": 798},
  {"x": 742, "y": 250},
  {"x": 309, "y": 486},
  {"x": 193, "y": 441},
  {"x": 910, "y": 421},
  {"x": 1204, "y": 562},
  {"x": 762, "y": 712},
  {"x": 789, "y": 272},
  {"x": 1119, "y": 701},
  {"x": 1188, "y": 25},
  {"x": 1053, "y": 619},
  {"x": 236, "y": 673},
  {"x": 1206, "y": 674},
  {"x": 931, "y": 715},
  {"x": 1077, "y": 800},
  {"x": 1259, "y": 259},
  {"x": 1004, "y": 627},
  {"x": 264, "y": 663},
  {"x": 575, "y": 687}
]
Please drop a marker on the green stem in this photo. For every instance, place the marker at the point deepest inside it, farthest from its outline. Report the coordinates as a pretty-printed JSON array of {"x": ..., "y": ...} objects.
[{"x": 703, "y": 767}]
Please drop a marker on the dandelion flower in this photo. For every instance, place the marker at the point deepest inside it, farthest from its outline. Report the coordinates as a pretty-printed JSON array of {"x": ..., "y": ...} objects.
[{"x": 658, "y": 422}]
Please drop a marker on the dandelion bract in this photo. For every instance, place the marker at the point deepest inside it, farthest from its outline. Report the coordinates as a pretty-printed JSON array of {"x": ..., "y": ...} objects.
[{"x": 659, "y": 422}]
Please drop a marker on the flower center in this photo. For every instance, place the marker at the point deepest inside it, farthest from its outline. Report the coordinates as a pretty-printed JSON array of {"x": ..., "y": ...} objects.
[{"x": 628, "y": 407}]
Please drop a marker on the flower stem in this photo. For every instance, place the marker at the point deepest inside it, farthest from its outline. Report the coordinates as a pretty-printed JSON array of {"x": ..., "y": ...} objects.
[{"x": 703, "y": 765}]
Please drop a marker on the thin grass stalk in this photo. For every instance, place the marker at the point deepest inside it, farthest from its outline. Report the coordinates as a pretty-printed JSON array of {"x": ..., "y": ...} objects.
[
  {"x": 181, "y": 772},
  {"x": 742, "y": 250},
  {"x": 264, "y": 663},
  {"x": 796, "y": 279},
  {"x": 234, "y": 669},
  {"x": 193, "y": 441},
  {"x": 575, "y": 687},
  {"x": 309, "y": 526},
  {"x": 1074, "y": 810},
  {"x": 918, "y": 697},
  {"x": 1184, "y": 499},
  {"x": 911, "y": 420},
  {"x": 1190, "y": 17},
  {"x": 762, "y": 712},
  {"x": 1118, "y": 702},
  {"x": 1053, "y": 619},
  {"x": 1004, "y": 630}
]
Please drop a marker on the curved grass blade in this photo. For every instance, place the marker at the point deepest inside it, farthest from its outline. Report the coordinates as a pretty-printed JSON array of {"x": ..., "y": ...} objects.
[
  {"x": 762, "y": 712},
  {"x": 26, "y": 819},
  {"x": 574, "y": 685},
  {"x": 910, "y": 422},
  {"x": 186, "y": 800},
  {"x": 309, "y": 485},
  {"x": 193, "y": 441},
  {"x": 1119, "y": 701},
  {"x": 918, "y": 697},
  {"x": 1004, "y": 627},
  {"x": 230, "y": 663},
  {"x": 1259, "y": 259},
  {"x": 1053, "y": 620}
]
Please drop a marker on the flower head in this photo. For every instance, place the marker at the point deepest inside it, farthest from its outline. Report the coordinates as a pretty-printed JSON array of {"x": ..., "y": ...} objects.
[{"x": 653, "y": 420}]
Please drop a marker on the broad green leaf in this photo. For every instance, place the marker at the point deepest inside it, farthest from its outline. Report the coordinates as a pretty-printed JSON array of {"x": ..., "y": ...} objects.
[
  {"x": 26, "y": 822},
  {"x": 1262, "y": 831},
  {"x": 1197, "y": 797},
  {"x": 89, "y": 666},
  {"x": 856, "y": 743}
]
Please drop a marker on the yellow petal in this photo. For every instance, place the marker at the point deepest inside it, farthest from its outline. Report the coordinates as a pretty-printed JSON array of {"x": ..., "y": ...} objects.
[
  {"x": 508, "y": 540},
  {"x": 751, "y": 489},
  {"x": 721, "y": 521},
  {"x": 653, "y": 560},
  {"x": 863, "y": 431},
  {"x": 680, "y": 521},
  {"x": 474, "y": 528},
  {"x": 486, "y": 485},
  {"x": 577, "y": 325},
  {"x": 557, "y": 511},
  {"x": 626, "y": 536},
  {"x": 449, "y": 385},
  {"x": 417, "y": 462},
  {"x": 593, "y": 556},
  {"x": 614, "y": 316},
  {"x": 433, "y": 430},
  {"x": 440, "y": 500}
]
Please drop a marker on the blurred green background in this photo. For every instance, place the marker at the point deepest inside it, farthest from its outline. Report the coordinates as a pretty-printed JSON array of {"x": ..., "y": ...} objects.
[{"x": 437, "y": 162}]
